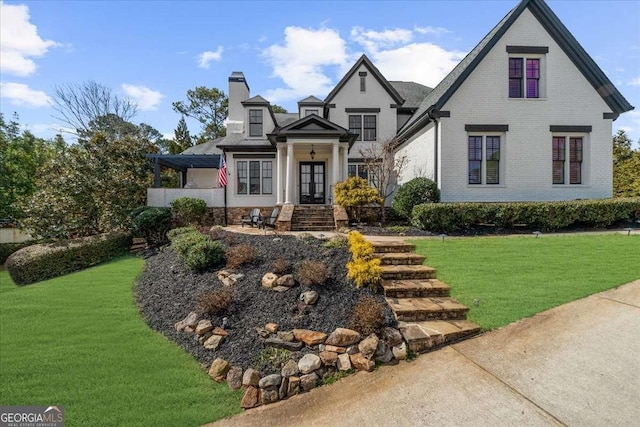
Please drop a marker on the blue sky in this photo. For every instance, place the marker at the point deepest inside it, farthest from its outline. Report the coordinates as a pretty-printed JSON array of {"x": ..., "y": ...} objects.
[{"x": 153, "y": 52}]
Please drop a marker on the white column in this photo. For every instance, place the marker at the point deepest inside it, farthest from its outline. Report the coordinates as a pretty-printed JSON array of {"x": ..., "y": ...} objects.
[
  {"x": 289, "y": 195},
  {"x": 335, "y": 162},
  {"x": 345, "y": 163},
  {"x": 279, "y": 174}
]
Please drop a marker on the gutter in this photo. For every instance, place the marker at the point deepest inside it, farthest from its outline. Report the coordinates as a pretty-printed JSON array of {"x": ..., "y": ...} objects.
[{"x": 435, "y": 145}]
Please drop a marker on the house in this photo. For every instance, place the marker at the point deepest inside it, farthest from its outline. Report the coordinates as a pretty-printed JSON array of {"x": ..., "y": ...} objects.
[{"x": 526, "y": 115}]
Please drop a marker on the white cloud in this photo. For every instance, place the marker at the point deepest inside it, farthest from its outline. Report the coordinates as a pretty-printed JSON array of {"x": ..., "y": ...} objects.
[
  {"x": 21, "y": 94},
  {"x": 19, "y": 41},
  {"x": 301, "y": 62},
  {"x": 51, "y": 128},
  {"x": 438, "y": 31},
  {"x": 634, "y": 82},
  {"x": 146, "y": 98},
  {"x": 206, "y": 57},
  {"x": 373, "y": 40}
]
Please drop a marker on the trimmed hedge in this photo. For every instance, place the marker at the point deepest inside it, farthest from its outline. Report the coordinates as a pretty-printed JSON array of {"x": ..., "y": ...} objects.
[
  {"x": 415, "y": 192},
  {"x": 548, "y": 216},
  {"x": 195, "y": 249},
  {"x": 45, "y": 261},
  {"x": 7, "y": 249},
  {"x": 189, "y": 210},
  {"x": 152, "y": 223}
]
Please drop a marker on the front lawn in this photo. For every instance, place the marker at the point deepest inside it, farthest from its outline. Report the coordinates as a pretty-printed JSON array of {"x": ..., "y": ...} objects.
[
  {"x": 517, "y": 277},
  {"x": 78, "y": 341}
]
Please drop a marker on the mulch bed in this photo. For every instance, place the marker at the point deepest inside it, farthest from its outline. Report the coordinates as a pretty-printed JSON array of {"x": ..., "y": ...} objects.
[{"x": 167, "y": 291}]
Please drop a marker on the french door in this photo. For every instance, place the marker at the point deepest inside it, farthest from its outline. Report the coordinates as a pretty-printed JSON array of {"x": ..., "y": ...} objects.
[{"x": 312, "y": 183}]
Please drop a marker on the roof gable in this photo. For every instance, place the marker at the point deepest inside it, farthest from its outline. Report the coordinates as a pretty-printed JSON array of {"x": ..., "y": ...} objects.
[
  {"x": 556, "y": 29},
  {"x": 311, "y": 100},
  {"x": 363, "y": 60},
  {"x": 312, "y": 126}
]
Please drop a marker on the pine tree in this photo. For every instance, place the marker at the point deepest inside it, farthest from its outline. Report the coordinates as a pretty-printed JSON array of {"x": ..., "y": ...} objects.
[{"x": 182, "y": 138}]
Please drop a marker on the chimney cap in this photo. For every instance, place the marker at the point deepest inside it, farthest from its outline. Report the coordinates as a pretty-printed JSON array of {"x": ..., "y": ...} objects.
[{"x": 237, "y": 76}]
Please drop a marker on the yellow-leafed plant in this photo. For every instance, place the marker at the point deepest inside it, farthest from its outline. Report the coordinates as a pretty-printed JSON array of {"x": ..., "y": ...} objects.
[{"x": 363, "y": 268}]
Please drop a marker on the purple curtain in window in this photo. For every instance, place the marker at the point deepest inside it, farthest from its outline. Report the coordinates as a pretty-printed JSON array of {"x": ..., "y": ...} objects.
[
  {"x": 515, "y": 77},
  {"x": 533, "y": 77}
]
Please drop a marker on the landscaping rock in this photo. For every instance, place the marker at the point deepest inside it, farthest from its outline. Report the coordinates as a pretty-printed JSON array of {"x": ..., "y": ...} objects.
[
  {"x": 263, "y": 332},
  {"x": 308, "y": 337},
  {"x": 344, "y": 362},
  {"x": 329, "y": 358},
  {"x": 391, "y": 336},
  {"x": 368, "y": 346},
  {"x": 225, "y": 277},
  {"x": 269, "y": 280},
  {"x": 343, "y": 337},
  {"x": 361, "y": 363},
  {"x": 308, "y": 382},
  {"x": 386, "y": 357},
  {"x": 191, "y": 320},
  {"x": 400, "y": 351},
  {"x": 271, "y": 327},
  {"x": 202, "y": 338},
  {"x": 286, "y": 335},
  {"x": 284, "y": 386},
  {"x": 270, "y": 381},
  {"x": 203, "y": 327},
  {"x": 286, "y": 280},
  {"x": 294, "y": 386},
  {"x": 329, "y": 372},
  {"x": 335, "y": 349},
  {"x": 290, "y": 369},
  {"x": 309, "y": 297},
  {"x": 189, "y": 329},
  {"x": 269, "y": 395},
  {"x": 234, "y": 378},
  {"x": 381, "y": 349},
  {"x": 251, "y": 398},
  {"x": 219, "y": 370},
  {"x": 280, "y": 288},
  {"x": 219, "y": 331},
  {"x": 251, "y": 377},
  {"x": 287, "y": 345},
  {"x": 309, "y": 363},
  {"x": 352, "y": 349},
  {"x": 236, "y": 276},
  {"x": 213, "y": 342}
]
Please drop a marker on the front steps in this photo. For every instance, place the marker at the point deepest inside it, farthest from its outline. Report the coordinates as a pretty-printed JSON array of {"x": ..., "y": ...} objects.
[
  {"x": 427, "y": 316},
  {"x": 312, "y": 218}
]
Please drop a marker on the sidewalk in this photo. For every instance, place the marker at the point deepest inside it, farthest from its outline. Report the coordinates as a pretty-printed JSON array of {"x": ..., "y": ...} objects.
[{"x": 577, "y": 364}]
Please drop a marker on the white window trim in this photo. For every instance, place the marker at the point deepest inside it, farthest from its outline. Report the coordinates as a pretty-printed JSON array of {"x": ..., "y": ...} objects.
[
  {"x": 502, "y": 162},
  {"x": 248, "y": 193}
]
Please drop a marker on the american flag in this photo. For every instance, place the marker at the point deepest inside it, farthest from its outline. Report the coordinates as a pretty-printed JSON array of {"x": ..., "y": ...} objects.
[{"x": 222, "y": 172}]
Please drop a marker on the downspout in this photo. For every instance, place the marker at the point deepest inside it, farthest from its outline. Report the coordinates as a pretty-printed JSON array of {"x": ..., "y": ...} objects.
[
  {"x": 226, "y": 219},
  {"x": 433, "y": 117}
]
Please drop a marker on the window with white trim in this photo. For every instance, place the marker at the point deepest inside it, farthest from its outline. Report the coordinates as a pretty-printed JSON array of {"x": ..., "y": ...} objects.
[
  {"x": 254, "y": 177},
  {"x": 484, "y": 159},
  {"x": 567, "y": 156}
]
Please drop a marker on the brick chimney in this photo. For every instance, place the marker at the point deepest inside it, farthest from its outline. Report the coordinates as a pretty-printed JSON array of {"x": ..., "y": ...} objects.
[{"x": 238, "y": 92}]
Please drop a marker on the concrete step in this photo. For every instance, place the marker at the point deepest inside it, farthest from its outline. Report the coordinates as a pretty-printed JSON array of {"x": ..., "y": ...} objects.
[
  {"x": 414, "y": 288},
  {"x": 426, "y": 308},
  {"x": 392, "y": 247},
  {"x": 401, "y": 258},
  {"x": 424, "y": 336},
  {"x": 407, "y": 272}
]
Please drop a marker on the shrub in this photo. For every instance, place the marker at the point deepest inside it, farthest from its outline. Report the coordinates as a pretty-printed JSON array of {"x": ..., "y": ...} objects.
[
  {"x": 354, "y": 193},
  {"x": 152, "y": 223},
  {"x": 240, "y": 255},
  {"x": 7, "y": 249},
  {"x": 216, "y": 302},
  {"x": 359, "y": 247},
  {"x": 337, "y": 241},
  {"x": 271, "y": 359},
  {"x": 40, "y": 262},
  {"x": 415, "y": 192},
  {"x": 172, "y": 234},
  {"x": 195, "y": 249},
  {"x": 363, "y": 269},
  {"x": 281, "y": 266},
  {"x": 312, "y": 273},
  {"x": 368, "y": 316},
  {"x": 189, "y": 210}
]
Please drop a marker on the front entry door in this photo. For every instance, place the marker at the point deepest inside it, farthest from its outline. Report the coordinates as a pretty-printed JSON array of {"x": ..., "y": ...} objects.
[{"x": 312, "y": 183}]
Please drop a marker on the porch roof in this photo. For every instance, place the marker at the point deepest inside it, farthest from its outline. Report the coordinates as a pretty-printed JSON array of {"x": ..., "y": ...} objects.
[{"x": 182, "y": 162}]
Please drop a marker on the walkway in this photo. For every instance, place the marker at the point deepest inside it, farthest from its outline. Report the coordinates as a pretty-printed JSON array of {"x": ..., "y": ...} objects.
[{"x": 578, "y": 364}]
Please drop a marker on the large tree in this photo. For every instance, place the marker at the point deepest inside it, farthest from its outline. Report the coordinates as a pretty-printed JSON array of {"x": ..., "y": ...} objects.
[
  {"x": 181, "y": 138},
  {"x": 626, "y": 167},
  {"x": 210, "y": 107}
]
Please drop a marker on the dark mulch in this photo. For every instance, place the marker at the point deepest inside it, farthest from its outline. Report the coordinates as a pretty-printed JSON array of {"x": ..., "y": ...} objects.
[{"x": 167, "y": 291}]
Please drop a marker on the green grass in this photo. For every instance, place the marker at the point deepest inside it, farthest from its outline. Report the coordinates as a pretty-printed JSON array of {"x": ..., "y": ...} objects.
[
  {"x": 517, "y": 277},
  {"x": 79, "y": 341}
]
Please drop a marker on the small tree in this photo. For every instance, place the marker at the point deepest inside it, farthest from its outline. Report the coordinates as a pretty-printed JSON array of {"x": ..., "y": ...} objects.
[
  {"x": 354, "y": 193},
  {"x": 626, "y": 167},
  {"x": 181, "y": 138}
]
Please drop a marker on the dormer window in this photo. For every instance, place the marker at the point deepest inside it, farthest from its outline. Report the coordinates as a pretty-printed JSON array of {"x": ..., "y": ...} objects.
[
  {"x": 255, "y": 123},
  {"x": 526, "y": 71}
]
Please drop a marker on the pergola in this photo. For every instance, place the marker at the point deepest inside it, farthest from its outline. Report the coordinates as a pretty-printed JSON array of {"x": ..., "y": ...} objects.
[{"x": 182, "y": 162}]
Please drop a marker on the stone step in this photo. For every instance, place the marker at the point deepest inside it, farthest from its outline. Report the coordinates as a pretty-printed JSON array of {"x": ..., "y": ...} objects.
[
  {"x": 400, "y": 258},
  {"x": 389, "y": 247},
  {"x": 425, "y": 308},
  {"x": 313, "y": 228},
  {"x": 424, "y": 336},
  {"x": 414, "y": 288},
  {"x": 407, "y": 272}
]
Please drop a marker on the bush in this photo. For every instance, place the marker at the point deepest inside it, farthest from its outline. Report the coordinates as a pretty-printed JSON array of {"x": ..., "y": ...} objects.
[
  {"x": 172, "y": 234},
  {"x": 312, "y": 273},
  {"x": 354, "y": 193},
  {"x": 368, "y": 316},
  {"x": 189, "y": 210},
  {"x": 547, "y": 216},
  {"x": 281, "y": 266},
  {"x": 195, "y": 249},
  {"x": 336, "y": 242},
  {"x": 152, "y": 223},
  {"x": 216, "y": 302},
  {"x": 415, "y": 192},
  {"x": 240, "y": 255},
  {"x": 7, "y": 249},
  {"x": 40, "y": 262},
  {"x": 363, "y": 269}
]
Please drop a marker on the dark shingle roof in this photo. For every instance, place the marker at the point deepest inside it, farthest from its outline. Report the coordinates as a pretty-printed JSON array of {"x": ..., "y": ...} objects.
[
  {"x": 311, "y": 100},
  {"x": 283, "y": 119},
  {"x": 255, "y": 100},
  {"x": 208, "y": 147},
  {"x": 413, "y": 93}
]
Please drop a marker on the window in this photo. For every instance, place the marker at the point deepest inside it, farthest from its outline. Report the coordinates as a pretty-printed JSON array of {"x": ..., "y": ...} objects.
[
  {"x": 484, "y": 169},
  {"x": 255, "y": 177},
  {"x": 368, "y": 132},
  {"x": 255, "y": 123},
  {"x": 524, "y": 83},
  {"x": 363, "y": 81},
  {"x": 574, "y": 165},
  {"x": 362, "y": 170}
]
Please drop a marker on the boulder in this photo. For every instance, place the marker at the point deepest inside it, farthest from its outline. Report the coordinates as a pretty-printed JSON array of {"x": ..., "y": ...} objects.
[
  {"x": 284, "y": 386},
  {"x": 381, "y": 349},
  {"x": 343, "y": 337},
  {"x": 290, "y": 369},
  {"x": 307, "y": 382},
  {"x": 309, "y": 297},
  {"x": 400, "y": 351},
  {"x": 308, "y": 337},
  {"x": 191, "y": 320},
  {"x": 286, "y": 281},
  {"x": 269, "y": 280},
  {"x": 234, "y": 378},
  {"x": 263, "y": 332},
  {"x": 386, "y": 357},
  {"x": 329, "y": 358},
  {"x": 294, "y": 386},
  {"x": 352, "y": 349},
  {"x": 361, "y": 363},
  {"x": 287, "y": 345},
  {"x": 213, "y": 342},
  {"x": 203, "y": 327},
  {"x": 272, "y": 380},
  {"x": 269, "y": 395},
  {"x": 251, "y": 398},
  {"x": 219, "y": 331},
  {"x": 391, "y": 336},
  {"x": 286, "y": 335},
  {"x": 368, "y": 346},
  {"x": 251, "y": 377},
  {"x": 271, "y": 327},
  {"x": 219, "y": 370},
  {"x": 202, "y": 338},
  {"x": 335, "y": 349},
  {"x": 309, "y": 363},
  {"x": 344, "y": 362},
  {"x": 189, "y": 329}
]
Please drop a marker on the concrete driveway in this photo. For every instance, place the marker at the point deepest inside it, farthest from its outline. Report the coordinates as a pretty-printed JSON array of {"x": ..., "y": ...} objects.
[{"x": 577, "y": 365}]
